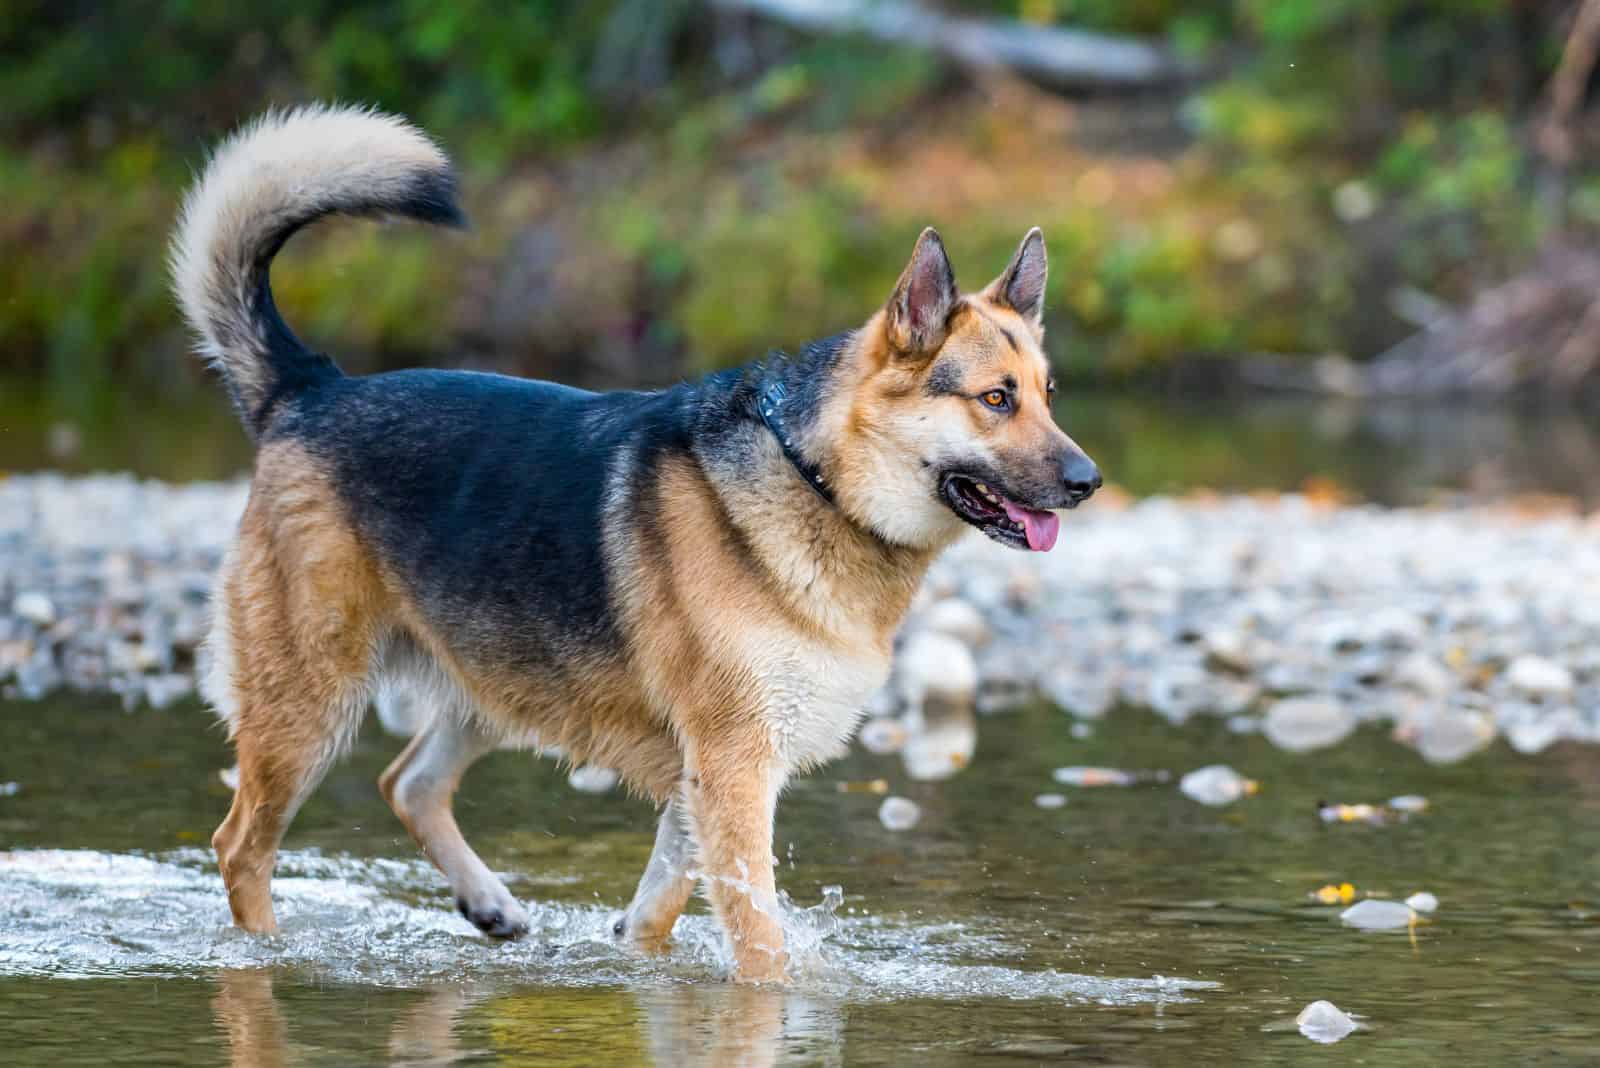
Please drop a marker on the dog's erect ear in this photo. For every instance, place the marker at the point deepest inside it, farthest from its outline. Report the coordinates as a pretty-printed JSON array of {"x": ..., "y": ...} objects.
[
  {"x": 922, "y": 298},
  {"x": 1020, "y": 286}
]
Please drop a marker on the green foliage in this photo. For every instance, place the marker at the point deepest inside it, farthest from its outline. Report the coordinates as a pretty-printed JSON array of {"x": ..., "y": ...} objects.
[
  {"x": 507, "y": 72},
  {"x": 732, "y": 193}
]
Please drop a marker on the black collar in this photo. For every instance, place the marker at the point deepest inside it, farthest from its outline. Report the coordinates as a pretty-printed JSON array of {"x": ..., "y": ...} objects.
[{"x": 770, "y": 405}]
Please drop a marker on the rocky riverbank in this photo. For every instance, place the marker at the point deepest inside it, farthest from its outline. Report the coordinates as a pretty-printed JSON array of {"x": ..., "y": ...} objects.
[{"x": 1453, "y": 627}]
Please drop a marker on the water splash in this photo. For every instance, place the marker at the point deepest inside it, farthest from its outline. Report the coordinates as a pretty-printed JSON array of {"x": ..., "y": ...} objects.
[{"x": 81, "y": 914}]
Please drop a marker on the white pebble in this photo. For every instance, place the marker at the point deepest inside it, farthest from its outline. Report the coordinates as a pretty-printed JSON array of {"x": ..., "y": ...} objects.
[
  {"x": 1539, "y": 678},
  {"x": 1396, "y": 628},
  {"x": 160, "y": 691},
  {"x": 1421, "y": 673},
  {"x": 1215, "y": 784},
  {"x": 1376, "y": 915},
  {"x": 935, "y": 665},
  {"x": 1229, "y": 650},
  {"x": 593, "y": 779},
  {"x": 1302, "y": 724},
  {"x": 1533, "y": 736},
  {"x": 899, "y": 813},
  {"x": 35, "y": 607},
  {"x": 940, "y": 749},
  {"x": 1423, "y": 901},
  {"x": 1453, "y": 734},
  {"x": 959, "y": 619},
  {"x": 1322, "y": 1021},
  {"x": 883, "y": 734},
  {"x": 1081, "y": 776},
  {"x": 1084, "y": 698}
]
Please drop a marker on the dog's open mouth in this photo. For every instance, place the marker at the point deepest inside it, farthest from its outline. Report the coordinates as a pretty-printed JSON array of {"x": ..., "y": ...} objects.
[{"x": 1003, "y": 520}]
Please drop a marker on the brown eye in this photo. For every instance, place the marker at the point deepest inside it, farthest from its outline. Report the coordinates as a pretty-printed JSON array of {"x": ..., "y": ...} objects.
[{"x": 996, "y": 399}]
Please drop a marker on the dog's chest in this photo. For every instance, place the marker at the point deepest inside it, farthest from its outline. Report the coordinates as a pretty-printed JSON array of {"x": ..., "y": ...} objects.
[{"x": 814, "y": 696}]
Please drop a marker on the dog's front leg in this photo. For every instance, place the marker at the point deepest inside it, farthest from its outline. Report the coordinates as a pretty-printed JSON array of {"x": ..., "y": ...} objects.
[{"x": 731, "y": 793}]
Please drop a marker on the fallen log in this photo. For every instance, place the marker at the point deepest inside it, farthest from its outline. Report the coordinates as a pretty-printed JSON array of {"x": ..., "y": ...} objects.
[
  {"x": 1538, "y": 332},
  {"x": 1050, "y": 55}
]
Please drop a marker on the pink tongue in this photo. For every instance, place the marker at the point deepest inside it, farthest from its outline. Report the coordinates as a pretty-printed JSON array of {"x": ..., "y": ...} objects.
[{"x": 1041, "y": 527}]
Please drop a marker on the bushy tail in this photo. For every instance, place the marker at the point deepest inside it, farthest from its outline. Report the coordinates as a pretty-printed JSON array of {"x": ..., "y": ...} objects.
[{"x": 273, "y": 176}]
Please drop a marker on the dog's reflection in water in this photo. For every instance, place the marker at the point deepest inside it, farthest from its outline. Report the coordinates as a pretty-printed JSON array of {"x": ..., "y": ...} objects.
[
  {"x": 680, "y": 1024},
  {"x": 248, "y": 1016}
]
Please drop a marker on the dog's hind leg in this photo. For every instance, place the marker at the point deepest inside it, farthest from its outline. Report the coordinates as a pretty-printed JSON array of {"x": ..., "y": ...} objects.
[
  {"x": 419, "y": 786},
  {"x": 278, "y": 770},
  {"x": 295, "y": 620},
  {"x": 664, "y": 888}
]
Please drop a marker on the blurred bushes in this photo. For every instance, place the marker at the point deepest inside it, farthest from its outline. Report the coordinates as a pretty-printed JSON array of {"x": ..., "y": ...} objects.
[{"x": 660, "y": 190}]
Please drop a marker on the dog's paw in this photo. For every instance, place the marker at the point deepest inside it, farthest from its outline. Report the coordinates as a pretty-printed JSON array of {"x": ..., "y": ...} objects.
[
  {"x": 502, "y": 919},
  {"x": 647, "y": 939}
]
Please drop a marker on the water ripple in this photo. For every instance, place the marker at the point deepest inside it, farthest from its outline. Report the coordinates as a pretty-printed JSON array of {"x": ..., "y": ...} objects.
[{"x": 82, "y": 914}]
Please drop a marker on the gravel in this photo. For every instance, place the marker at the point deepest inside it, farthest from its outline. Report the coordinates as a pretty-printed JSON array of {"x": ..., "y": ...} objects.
[{"x": 1451, "y": 627}]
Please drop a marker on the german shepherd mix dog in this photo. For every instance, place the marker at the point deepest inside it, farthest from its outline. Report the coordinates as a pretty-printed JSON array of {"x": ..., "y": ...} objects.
[{"x": 697, "y": 587}]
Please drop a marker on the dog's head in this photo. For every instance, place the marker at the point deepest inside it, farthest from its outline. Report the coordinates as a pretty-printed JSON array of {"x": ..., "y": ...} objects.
[{"x": 946, "y": 420}]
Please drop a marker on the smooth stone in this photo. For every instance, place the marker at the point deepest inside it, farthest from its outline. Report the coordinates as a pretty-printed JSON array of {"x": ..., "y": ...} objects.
[
  {"x": 593, "y": 779},
  {"x": 958, "y": 618},
  {"x": 1375, "y": 914},
  {"x": 1396, "y": 628},
  {"x": 1422, "y": 901},
  {"x": 161, "y": 691},
  {"x": 1533, "y": 736},
  {"x": 1539, "y": 678},
  {"x": 899, "y": 813},
  {"x": 1228, "y": 650},
  {"x": 1215, "y": 784},
  {"x": 941, "y": 749},
  {"x": 35, "y": 607},
  {"x": 883, "y": 735},
  {"x": 1450, "y": 736},
  {"x": 1082, "y": 776},
  {"x": 1303, "y": 724},
  {"x": 935, "y": 665},
  {"x": 1077, "y": 696},
  {"x": 1324, "y": 1022},
  {"x": 1178, "y": 691},
  {"x": 1422, "y": 674}
]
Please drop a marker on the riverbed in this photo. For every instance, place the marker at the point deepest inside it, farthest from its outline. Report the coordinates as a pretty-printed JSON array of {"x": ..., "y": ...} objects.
[{"x": 1397, "y": 668}]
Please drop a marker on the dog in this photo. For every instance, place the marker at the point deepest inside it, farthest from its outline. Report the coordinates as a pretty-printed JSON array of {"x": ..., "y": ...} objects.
[{"x": 698, "y": 587}]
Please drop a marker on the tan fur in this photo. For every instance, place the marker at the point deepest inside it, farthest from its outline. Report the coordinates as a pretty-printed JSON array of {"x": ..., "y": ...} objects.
[{"x": 301, "y": 599}]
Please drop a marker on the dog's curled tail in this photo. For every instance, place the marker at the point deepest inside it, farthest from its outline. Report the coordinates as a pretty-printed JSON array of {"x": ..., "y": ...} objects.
[{"x": 275, "y": 175}]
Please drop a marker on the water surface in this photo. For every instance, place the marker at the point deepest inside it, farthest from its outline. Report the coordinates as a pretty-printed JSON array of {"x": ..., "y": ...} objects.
[
  {"x": 1389, "y": 452},
  {"x": 1131, "y": 926}
]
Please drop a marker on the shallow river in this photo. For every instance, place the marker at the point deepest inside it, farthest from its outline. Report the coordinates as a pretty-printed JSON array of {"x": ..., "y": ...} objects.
[{"x": 1131, "y": 926}]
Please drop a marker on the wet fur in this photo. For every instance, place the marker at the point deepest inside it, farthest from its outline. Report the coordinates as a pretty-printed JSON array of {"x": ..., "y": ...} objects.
[{"x": 639, "y": 579}]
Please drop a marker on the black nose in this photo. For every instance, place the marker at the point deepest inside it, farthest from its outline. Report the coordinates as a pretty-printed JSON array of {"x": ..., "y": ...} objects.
[{"x": 1081, "y": 476}]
